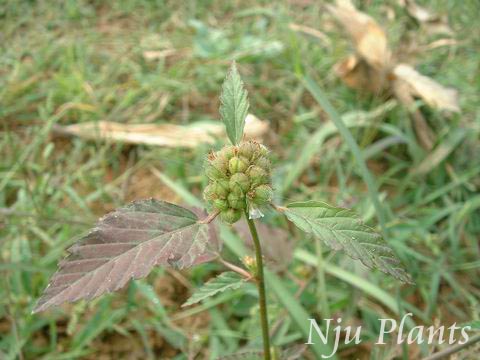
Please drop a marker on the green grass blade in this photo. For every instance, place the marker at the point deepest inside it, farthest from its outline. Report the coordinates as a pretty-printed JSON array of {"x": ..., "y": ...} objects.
[
  {"x": 313, "y": 144},
  {"x": 296, "y": 311},
  {"x": 368, "y": 178}
]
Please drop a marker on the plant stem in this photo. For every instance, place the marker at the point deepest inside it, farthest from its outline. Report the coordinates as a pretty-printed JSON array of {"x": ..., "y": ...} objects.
[{"x": 261, "y": 288}]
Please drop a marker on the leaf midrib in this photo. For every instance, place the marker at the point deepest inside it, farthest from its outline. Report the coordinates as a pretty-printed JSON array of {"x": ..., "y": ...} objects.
[
  {"x": 337, "y": 230},
  {"x": 118, "y": 257}
]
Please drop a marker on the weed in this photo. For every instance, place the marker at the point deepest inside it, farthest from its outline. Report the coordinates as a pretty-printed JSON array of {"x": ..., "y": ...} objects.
[{"x": 127, "y": 243}]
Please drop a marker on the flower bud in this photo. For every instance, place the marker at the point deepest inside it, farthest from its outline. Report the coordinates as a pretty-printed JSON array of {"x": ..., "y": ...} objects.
[
  {"x": 212, "y": 172},
  {"x": 251, "y": 264},
  {"x": 239, "y": 181},
  {"x": 257, "y": 175},
  {"x": 230, "y": 216},
  {"x": 262, "y": 150},
  {"x": 262, "y": 194},
  {"x": 237, "y": 165},
  {"x": 221, "y": 188},
  {"x": 235, "y": 201},
  {"x": 209, "y": 192},
  {"x": 264, "y": 163},
  {"x": 227, "y": 152},
  {"x": 220, "y": 204},
  {"x": 247, "y": 149},
  {"x": 221, "y": 164}
]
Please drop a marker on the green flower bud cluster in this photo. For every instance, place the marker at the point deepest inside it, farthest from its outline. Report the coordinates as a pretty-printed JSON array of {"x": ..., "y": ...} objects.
[{"x": 239, "y": 177}]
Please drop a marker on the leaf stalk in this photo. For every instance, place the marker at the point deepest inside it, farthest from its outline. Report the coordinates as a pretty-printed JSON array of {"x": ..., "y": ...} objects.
[
  {"x": 210, "y": 217},
  {"x": 237, "y": 269}
]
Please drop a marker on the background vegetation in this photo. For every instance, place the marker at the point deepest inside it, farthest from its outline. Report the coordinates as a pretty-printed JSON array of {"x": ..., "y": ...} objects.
[{"x": 135, "y": 61}]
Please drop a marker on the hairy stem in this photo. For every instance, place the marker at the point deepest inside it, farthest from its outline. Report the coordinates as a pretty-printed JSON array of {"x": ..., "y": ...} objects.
[{"x": 261, "y": 288}]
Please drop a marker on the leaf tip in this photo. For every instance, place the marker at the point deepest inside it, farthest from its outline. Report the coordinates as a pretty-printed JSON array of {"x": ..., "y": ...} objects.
[{"x": 234, "y": 104}]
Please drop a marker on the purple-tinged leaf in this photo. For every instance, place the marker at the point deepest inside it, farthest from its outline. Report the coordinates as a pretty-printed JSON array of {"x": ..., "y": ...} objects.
[{"x": 126, "y": 244}]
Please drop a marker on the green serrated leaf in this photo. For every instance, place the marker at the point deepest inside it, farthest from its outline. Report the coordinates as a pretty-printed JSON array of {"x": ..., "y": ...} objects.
[
  {"x": 234, "y": 105},
  {"x": 228, "y": 280},
  {"x": 340, "y": 229}
]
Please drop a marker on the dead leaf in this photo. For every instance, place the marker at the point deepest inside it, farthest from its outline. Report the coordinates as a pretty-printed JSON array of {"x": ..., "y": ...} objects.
[
  {"x": 441, "y": 42},
  {"x": 357, "y": 74},
  {"x": 402, "y": 92},
  {"x": 158, "y": 54},
  {"x": 375, "y": 69},
  {"x": 168, "y": 135},
  {"x": 418, "y": 12},
  {"x": 438, "y": 27},
  {"x": 369, "y": 38},
  {"x": 441, "y": 152},
  {"x": 310, "y": 31},
  {"x": 433, "y": 23},
  {"x": 434, "y": 94}
]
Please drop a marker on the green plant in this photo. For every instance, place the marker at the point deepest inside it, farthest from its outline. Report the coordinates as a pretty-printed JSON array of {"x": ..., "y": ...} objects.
[{"x": 127, "y": 243}]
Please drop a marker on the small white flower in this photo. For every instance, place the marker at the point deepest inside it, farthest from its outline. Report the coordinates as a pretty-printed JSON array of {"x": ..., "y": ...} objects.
[{"x": 254, "y": 212}]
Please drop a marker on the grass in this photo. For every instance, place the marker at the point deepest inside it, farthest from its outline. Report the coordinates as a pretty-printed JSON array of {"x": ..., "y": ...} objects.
[{"x": 77, "y": 61}]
